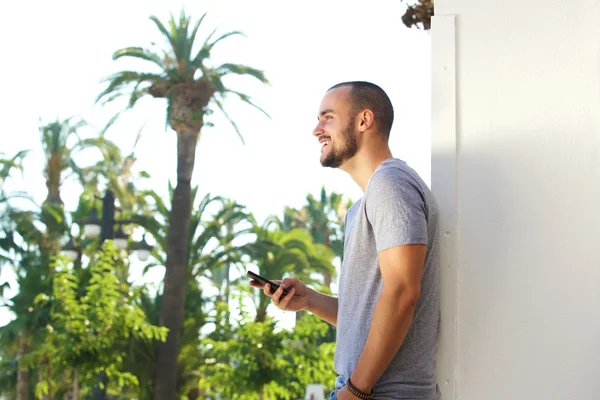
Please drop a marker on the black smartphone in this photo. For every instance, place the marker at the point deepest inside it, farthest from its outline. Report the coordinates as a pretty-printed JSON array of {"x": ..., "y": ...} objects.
[{"x": 264, "y": 281}]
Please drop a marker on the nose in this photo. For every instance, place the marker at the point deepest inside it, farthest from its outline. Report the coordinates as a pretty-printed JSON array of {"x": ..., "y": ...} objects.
[{"x": 318, "y": 131}]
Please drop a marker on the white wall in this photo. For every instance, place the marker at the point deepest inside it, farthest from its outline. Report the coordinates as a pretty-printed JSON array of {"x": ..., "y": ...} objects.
[{"x": 516, "y": 168}]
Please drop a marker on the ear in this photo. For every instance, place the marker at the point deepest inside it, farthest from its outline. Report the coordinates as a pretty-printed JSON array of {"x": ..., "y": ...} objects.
[{"x": 366, "y": 120}]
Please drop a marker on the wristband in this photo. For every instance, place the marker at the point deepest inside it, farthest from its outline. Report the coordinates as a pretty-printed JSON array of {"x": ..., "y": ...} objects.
[{"x": 361, "y": 395}]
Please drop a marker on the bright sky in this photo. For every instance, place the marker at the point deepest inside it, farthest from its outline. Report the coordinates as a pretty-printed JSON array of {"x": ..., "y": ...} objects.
[{"x": 56, "y": 53}]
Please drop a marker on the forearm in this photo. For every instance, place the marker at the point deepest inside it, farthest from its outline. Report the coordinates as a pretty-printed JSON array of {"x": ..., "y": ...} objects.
[
  {"x": 323, "y": 306},
  {"x": 391, "y": 319}
]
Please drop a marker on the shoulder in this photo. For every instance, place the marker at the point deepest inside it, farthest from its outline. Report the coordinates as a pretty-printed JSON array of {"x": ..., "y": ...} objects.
[
  {"x": 395, "y": 187},
  {"x": 391, "y": 178}
]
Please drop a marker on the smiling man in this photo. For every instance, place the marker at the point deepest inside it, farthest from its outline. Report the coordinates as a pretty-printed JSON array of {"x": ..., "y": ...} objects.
[{"x": 387, "y": 312}]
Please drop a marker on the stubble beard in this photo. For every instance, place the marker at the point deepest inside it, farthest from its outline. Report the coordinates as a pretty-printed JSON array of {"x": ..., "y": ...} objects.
[{"x": 348, "y": 147}]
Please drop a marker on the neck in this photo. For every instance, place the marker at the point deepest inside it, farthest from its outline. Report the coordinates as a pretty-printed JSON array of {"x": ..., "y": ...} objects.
[{"x": 362, "y": 166}]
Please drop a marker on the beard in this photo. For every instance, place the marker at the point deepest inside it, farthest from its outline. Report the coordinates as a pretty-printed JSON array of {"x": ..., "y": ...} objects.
[{"x": 342, "y": 150}]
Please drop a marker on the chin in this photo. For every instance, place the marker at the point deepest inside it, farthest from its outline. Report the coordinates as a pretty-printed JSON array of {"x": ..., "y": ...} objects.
[{"x": 329, "y": 163}]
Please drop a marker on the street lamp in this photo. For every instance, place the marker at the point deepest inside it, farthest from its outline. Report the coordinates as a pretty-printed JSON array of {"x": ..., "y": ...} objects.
[
  {"x": 94, "y": 227},
  {"x": 142, "y": 249},
  {"x": 120, "y": 239},
  {"x": 70, "y": 250}
]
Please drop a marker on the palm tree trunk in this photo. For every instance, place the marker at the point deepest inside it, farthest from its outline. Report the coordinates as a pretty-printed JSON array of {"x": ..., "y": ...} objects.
[
  {"x": 173, "y": 299},
  {"x": 23, "y": 372},
  {"x": 75, "y": 392},
  {"x": 53, "y": 176},
  {"x": 261, "y": 316}
]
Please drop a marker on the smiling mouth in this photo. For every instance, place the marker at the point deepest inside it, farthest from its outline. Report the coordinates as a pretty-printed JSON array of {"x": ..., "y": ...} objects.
[{"x": 324, "y": 142}]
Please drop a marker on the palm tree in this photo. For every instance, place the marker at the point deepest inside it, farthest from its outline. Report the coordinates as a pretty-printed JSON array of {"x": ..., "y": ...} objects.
[
  {"x": 61, "y": 142},
  {"x": 323, "y": 218},
  {"x": 278, "y": 253},
  {"x": 183, "y": 77}
]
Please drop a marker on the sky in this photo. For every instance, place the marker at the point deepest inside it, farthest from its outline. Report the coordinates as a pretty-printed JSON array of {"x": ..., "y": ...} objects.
[{"x": 55, "y": 55}]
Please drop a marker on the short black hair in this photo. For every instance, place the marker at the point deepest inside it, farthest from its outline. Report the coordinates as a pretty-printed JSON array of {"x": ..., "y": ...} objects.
[{"x": 369, "y": 95}]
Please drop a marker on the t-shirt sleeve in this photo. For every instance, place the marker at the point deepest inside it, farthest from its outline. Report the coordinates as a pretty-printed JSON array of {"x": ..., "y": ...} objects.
[{"x": 396, "y": 210}]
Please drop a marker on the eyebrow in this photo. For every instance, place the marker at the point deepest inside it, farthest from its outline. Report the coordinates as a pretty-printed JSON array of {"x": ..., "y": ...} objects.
[{"x": 324, "y": 112}]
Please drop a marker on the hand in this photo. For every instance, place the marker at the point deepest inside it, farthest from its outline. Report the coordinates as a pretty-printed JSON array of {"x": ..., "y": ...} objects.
[
  {"x": 296, "y": 299},
  {"x": 344, "y": 394}
]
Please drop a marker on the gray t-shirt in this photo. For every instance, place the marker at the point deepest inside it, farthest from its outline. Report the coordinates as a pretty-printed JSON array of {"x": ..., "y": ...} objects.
[{"x": 397, "y": 209}]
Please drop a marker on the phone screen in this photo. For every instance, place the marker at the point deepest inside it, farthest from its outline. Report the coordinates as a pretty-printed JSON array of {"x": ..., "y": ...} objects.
[{"x": 264, "y": 281}]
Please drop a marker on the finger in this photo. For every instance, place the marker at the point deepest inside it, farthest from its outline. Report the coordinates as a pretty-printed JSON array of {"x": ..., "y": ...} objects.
[
  {"x": 267, "y": 289},
  {"x": 255, "y": 284},
  {"x": 284, "y": 303},
  {"x": 277, "y": 296}
]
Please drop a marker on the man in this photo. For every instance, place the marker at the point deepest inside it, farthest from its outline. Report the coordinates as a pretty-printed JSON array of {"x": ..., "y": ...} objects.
[{"x": 387, "y": 313}]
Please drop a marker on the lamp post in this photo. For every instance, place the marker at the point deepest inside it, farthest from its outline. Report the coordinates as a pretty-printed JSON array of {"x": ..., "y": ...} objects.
[{"x": 94, "y": 227}]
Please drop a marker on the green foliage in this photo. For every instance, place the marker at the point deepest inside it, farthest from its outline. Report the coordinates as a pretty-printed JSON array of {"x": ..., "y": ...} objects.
[
  {"x": 310, "y": 355},
  {"x": 87, "y": 333},
  {"x": 247, "y": 364},
  {"x": 256, "y": 359}
]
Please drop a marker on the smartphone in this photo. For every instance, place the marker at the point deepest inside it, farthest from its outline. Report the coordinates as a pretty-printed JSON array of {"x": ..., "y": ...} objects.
[{"x": 264, "y": 281}]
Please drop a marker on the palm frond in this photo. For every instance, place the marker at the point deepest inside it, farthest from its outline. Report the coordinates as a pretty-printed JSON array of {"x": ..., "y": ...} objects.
[
  {"x": 239, "y": 69},
  {"x": 164, "y": 31},
  {"x": 108, "y": 148},
  {"x": 248, "y": 100},
  {"x": 138, "y": 137},
  {"x": 192, "y": 37},
  {"x": 78, "y": 171},
  {"x": 206, "y": 200},
  {"x": 153, "y": 227},
  {"x": 231, "y": 121},
  {"x": 143, "y": 54},
  {"x": 13, "y": 163},
  {"x": 124, "y": 79},
  {"x": 179, "y": 34},
  {"x": 159, "y": 203},
  {"x": 111, "y": 121},
  {"x": 272, "y": 220},
  {"x": 207, "y": 47},
  {"x": 136, "y": 94}
]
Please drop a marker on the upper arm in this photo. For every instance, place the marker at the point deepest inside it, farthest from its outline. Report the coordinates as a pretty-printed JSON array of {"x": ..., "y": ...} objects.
[
  {"x": 397, "y": 212},
  {"x": 401, "y": 268}
]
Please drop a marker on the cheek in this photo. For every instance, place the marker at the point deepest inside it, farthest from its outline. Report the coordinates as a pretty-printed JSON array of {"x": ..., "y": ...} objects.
[{"x": 332, "y": 127}]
